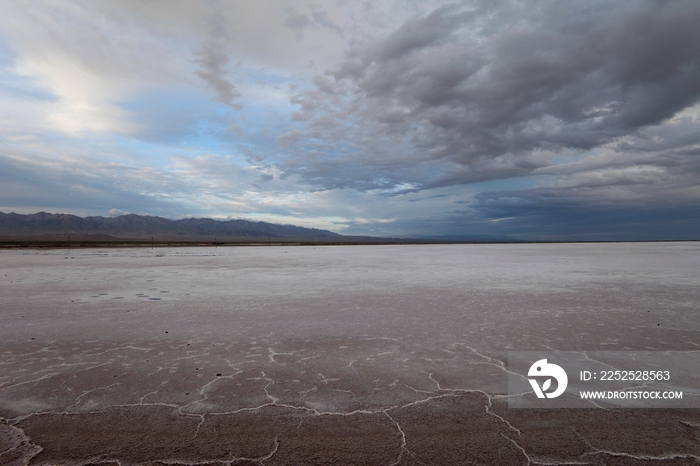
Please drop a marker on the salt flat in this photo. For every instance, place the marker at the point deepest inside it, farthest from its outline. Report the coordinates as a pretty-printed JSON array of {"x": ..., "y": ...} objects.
[{"x": 336, "y": 354}]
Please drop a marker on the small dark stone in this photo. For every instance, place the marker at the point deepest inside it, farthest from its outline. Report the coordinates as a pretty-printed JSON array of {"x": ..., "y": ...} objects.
[{"x": 218, "y": 375}]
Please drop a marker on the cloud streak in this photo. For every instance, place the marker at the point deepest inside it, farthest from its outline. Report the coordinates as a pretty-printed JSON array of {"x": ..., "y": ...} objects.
[{"x": 213, "y": 59}]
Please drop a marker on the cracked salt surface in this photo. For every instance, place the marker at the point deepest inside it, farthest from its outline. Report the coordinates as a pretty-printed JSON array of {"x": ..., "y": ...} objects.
[{"x": 347, "y": 355}]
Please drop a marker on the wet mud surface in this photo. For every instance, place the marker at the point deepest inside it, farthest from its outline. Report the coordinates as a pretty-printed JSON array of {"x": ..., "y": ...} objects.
[{"x": 373, "y": 355}]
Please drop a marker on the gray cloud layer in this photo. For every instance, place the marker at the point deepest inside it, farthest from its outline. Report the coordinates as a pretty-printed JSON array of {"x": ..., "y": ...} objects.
[
  {"x": 595, "y": 100},
  {"x": 507, "y": 117},
  {"x": 489, "y": 89}
]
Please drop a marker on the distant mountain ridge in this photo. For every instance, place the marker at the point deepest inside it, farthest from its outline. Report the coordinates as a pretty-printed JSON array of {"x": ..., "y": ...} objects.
[{"x": 134, "y": 226}]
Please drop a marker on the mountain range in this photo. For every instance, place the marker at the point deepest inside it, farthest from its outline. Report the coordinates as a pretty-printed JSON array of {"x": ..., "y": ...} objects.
[{"x": 48, "y": 225}]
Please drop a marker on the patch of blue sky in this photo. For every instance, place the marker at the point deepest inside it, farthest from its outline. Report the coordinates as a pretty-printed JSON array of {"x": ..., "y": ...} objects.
[
  {"x": 16, "y": 86},
  {"x": 509, "y": 184},
  {"x": 180, "y": 118},
  {"x": 260, "y": 126},
  {"x": 8, "y": 56},
  {"x": 572, "y": 155},
  {"x": 85, "y": 146},
  {"x": 263, "y": 95},
  {"x": 270, "y": 77},
  {"x": 262, "y": 121},
  {"x": 149, "y": 153}
]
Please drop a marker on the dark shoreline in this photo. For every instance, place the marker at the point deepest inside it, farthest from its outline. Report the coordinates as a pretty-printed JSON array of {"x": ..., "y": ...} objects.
[{"x": 36, "y": 243}]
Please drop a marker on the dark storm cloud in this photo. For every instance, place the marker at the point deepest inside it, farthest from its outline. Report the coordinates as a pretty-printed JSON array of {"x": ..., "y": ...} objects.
[
  {"x": 543, "y": 216},
  {"x": 546, "y": 214},
  {"x": 419, "y": 33},
  {"x": 496, "y": 90}
]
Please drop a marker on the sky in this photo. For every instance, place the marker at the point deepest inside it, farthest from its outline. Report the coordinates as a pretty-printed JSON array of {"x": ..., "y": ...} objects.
[{"x": 548, "y": 120}]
